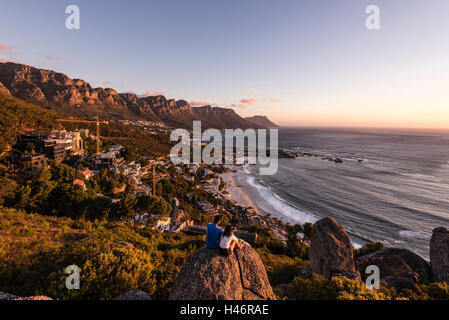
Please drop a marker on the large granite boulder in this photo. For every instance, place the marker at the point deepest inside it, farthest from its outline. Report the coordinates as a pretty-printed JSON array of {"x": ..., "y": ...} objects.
[
  {"x": 208, "y": 275},
  {"x": 399, "y": 268},
  {"x": 8, "y": 296},
  {"x": 439, "y": 255},
  {"x": 36, "y": 298},
  {"x": 133, "y": 295},
  {"x": 331, "y": 253}
]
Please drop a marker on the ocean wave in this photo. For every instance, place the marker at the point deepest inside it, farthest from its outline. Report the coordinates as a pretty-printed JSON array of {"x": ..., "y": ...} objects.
[
  {"x": 413, "y": 235},
  {"x": 278, "y": 204}
]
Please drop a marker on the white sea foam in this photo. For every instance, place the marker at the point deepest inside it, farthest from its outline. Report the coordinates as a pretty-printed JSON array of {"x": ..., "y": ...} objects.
[
  {"x": 356, "y": 245},
  {"x": 413, "y": 235},
  {"x": 245, "y": 168},
  {"x": 277, "y": 204}
]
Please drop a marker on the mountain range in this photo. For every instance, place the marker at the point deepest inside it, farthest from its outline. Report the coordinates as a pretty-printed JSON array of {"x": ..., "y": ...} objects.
[{"x": 77, "y": 97}]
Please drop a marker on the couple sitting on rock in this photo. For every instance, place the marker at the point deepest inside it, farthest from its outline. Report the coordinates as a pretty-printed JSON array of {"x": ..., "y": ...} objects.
[{"x": 225, "y": 240}]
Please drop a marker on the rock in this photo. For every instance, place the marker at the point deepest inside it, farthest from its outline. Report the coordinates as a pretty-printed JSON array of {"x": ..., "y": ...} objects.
[
  {"x": 40, "y": 298},
  {"x": 126, "y": 245},
  {"x": 7, "y": 296},
  {"x": 306, "y": 272},
  {"x": 208, "y": 275},
  {"x": 134, "y": 295},
  {"x": 330, "y": 251},
  {"x": 439, "y": 255},
  {"x": 394, "y": 262},
  {"x": 399, "y": 283},
  {"x": 398, "y": 267},
  {"x": 349, "y": 275}
]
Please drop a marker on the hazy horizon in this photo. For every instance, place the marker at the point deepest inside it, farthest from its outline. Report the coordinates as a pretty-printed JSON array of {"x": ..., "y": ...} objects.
[{"x": 300, "y": 63}]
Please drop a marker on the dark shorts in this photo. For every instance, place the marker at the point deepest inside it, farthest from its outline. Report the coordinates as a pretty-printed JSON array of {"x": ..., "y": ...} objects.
[{"x": 224, "y": 252}]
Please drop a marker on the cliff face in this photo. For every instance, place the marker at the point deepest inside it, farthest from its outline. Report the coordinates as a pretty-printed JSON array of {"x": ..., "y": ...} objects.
[{"x": 77, "y": 97}]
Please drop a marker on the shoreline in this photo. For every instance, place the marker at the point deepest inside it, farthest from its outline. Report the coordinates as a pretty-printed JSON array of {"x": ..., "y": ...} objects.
[
  {"x": 239, "y": 193},
  {"x": 248, "y": 194}
]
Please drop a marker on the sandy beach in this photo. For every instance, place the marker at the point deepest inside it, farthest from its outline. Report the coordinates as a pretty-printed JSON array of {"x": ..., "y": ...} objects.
[
  {"x": 238, "y": 190},
  {"x": 246, "y": 191}
]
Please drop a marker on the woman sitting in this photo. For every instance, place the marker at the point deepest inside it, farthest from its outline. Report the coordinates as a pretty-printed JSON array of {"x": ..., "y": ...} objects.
[{"x": 228, "y": 241}]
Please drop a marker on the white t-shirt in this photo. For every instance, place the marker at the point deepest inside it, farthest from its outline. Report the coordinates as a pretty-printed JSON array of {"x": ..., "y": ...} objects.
[{"x": 225, "y": 241}]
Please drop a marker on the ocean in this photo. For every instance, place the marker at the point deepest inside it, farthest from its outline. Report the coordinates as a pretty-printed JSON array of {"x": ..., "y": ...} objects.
[{"x": 392, "y": 186}]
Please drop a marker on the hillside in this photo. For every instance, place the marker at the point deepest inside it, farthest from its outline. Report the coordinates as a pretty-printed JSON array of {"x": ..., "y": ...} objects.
[
  {"x": 77, "y": 97},
  {"x": 16, "y": 114},
  {"x": 262, "y": 121}
]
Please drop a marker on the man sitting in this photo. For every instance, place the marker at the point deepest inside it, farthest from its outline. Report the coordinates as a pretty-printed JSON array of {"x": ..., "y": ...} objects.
[{"x": 213, "y": 233}]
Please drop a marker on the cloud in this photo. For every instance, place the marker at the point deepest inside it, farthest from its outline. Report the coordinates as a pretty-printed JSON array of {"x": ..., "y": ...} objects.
[
  {"x": 251, "y": 91},
  {"x": 196, "y": 103},
  {"x": 8, "y": 60},
  {"x": 106, "y": 83},
  {"x": 151, "y": 94},
  {"x": 240, "y": 106},
  {"x": 9, "y": 50},
  {"x": 248, "y": 101},
  {"x": 272, "y": 99},
  {"x": 52, "y": 58}
]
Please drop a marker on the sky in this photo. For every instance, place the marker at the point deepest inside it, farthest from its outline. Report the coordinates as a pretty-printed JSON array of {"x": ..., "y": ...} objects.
[{"x": 306, "y": 63}]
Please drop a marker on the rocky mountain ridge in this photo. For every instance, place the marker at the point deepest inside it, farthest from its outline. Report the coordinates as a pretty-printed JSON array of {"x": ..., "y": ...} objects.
[{"x": 77, "y": 97}]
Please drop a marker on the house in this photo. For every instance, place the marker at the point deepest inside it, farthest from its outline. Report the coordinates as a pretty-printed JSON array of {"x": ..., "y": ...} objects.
[
  {"x": 162, "y": 224},
  {"x": 87, "y": 173},
  {"x": 207, "y": 208},
  {"x": 142, "y": 190},
  {"x": 106, "y": 160},
  {"x": 196, "y": 229},
  {"x": 78, "y": 182},
  {"x": 32, "y": 162},
  {"x": 250, "y": 237},
  {"x": 181, "y": 226}
]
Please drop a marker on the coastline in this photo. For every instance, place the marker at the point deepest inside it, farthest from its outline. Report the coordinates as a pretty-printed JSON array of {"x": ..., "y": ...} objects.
[
  {"x": 246, "y": 191},
  {"x": 239, "y": 192}
]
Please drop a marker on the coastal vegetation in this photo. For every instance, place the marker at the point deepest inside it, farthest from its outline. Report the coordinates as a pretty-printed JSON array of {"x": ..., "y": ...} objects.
[
  {"x": 114, "y": 257},
  {"x": 57, "y": 217}
]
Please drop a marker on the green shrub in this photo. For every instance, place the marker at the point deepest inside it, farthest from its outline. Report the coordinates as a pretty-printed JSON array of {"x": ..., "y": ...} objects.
[
  {"x": 368, "y": 248},
  {"x": 336, "y": 288}
]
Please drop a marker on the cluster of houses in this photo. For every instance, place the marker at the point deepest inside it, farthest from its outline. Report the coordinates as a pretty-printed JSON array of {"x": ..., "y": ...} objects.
[
  {"x": 150, "y": 127},
  {"x": 57, "y": 144},
  {"x": 251, "y": 218}
]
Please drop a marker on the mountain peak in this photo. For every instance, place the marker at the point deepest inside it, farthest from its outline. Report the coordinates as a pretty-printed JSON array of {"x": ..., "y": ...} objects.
[{"x": 262, "y": 121}]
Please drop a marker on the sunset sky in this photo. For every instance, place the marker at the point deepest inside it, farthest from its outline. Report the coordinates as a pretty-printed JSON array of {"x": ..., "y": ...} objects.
[{"x": 299, "y": 62}]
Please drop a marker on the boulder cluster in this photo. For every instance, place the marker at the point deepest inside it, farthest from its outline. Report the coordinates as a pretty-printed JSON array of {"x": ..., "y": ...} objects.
[{"x": 331, "y": 255}]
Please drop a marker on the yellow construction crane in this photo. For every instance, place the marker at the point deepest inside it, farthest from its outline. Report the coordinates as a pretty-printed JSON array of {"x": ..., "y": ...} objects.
[
  {"x": 155, "y": 179},
  {"x": 97, "y": 122}
]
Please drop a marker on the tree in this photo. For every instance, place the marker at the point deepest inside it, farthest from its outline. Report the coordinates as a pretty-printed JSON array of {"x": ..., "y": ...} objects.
[
  {"x": 98, "y": 207},
  {"x": 125, "y": 208},
  {"x": 154, "y": 205},
  {"x": 22, "y": 197},
  {"x": 68, "y": 201},
  {"x": 307, "y": 230}
]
